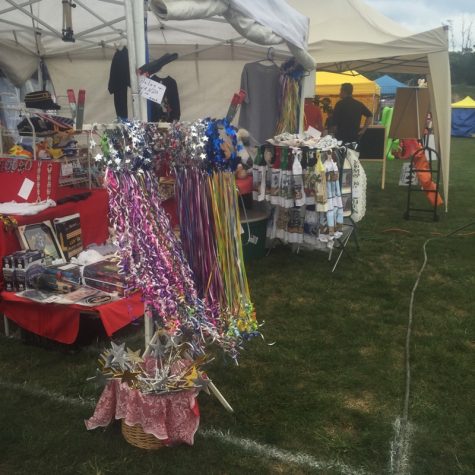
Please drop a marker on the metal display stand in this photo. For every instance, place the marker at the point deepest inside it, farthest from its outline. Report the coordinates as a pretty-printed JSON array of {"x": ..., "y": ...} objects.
[
  {"x": 434, "y": 170},
  {"x": 340, "y": 244}
]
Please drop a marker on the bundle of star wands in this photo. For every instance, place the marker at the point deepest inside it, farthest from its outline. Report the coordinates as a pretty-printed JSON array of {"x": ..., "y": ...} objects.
[{"x": 167, "y": 368}]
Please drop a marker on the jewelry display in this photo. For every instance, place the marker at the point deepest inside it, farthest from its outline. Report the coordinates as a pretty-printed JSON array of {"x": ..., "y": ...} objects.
[
  {"x": 15, "y": 165},
  {"x": 38, "y": 182},
  {"x": 49, "y": 168}
]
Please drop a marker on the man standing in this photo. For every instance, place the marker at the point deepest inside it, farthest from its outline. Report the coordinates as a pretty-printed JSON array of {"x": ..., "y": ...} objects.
[{"x": 346, "y": 118}]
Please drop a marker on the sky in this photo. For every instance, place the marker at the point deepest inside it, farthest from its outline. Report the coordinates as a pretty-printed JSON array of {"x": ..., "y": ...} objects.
[{"x": 421, "y": 15}]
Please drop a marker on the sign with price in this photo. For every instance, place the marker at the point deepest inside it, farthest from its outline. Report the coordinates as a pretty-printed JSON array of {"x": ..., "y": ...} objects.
[
  {"x": 151, "y": 89},
  {"x": 406, "y": 175}
]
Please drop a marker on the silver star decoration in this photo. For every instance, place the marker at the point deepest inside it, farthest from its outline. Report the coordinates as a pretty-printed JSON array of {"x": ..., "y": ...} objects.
[{"x": 118, "y": 352}]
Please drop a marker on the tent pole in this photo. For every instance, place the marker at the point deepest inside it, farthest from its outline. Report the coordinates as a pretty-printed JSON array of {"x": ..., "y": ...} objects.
[
  {"x": 134, "y": 85},
  {"x": 303, "y": 90},
  {"x": 139, "y": 15}
]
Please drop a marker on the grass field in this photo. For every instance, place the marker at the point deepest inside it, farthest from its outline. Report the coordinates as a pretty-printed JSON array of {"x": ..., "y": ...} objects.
[{"x": 324, "y": 397}]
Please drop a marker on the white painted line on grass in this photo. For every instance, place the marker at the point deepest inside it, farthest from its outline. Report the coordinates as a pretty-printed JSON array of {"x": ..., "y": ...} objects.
[
  {"x": 400, "y": 448},
  {"x": 248, "y": 445},
  {"x": 270, "y": 452},
  {"x": 53, "y": 396}
]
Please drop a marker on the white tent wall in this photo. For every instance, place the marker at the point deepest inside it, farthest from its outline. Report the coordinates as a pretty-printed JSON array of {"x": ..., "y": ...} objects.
[
  {"x": 89, "y": 74},
  {"x": 205, "y": 87},
  {"x": 17, "y": 64},
  {"x": 440, "y": 91}
]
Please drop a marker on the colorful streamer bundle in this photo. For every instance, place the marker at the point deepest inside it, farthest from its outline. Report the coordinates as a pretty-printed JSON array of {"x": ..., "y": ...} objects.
[
  {"x": 197, "y": 234},
  {"x": 236, "y": 299},
  {"x": 290, "y": 87},
  {"x": 152, "y": 258},
  {"x": 209, "y": 220}
]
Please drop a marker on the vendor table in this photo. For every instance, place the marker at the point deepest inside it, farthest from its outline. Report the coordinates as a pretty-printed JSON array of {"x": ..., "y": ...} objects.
[
  {"x": 93, "y": 213},
  {"x": 61, "y": 322}
]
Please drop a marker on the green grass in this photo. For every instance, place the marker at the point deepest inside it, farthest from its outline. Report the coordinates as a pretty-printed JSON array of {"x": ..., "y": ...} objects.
[{"x": 332, "y": 384}]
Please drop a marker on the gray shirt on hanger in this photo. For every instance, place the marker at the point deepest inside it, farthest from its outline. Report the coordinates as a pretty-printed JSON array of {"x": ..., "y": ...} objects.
[{"x": 260, "y": 110}]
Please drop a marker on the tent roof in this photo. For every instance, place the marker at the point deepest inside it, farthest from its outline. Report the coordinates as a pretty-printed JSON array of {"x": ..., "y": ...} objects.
[
  {"x": 467, "y": 103},
  {"x": 32, "y": 28},
  {"x": 348, "y": 34},
  {"x": 388, "y": 84},
  {"x": 329, "y": 83}
]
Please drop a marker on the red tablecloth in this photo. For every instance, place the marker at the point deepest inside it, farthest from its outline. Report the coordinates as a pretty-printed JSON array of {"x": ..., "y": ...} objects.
[
  {"x": 93, "y": 211},
  {"x": 61, "y": 322}
]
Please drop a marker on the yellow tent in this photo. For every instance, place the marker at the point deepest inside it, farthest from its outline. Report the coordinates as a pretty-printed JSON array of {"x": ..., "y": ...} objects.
[
  {"x": 467, "y": 103},
  {"x": 327, "y": 85}
]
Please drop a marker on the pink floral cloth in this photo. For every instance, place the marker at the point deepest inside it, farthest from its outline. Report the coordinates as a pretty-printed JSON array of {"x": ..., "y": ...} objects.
[{"x": 173, "y": 418}]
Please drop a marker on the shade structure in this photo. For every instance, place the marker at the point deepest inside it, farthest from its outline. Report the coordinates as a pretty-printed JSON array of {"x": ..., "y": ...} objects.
[
  {"x": 343, "y": 35},
  {"x": 211, "y": 51},
  {"x": 463, "y": 118},
  {"x": 350, "y": 35},
  {"x": 465, "y": 103},
  {"x": 327, "y": 83},
  {"x": 388, "y": 85}
]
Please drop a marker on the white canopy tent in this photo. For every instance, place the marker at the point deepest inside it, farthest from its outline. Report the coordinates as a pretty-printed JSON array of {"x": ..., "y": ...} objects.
[
  {"x": 349, "y": 35},
  {"x": 343, "y": 35},
  {"x": 32, "y": 29}
]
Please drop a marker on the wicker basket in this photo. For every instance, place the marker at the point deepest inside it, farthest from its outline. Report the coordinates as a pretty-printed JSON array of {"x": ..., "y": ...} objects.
[{"x": 135, "y": 436}]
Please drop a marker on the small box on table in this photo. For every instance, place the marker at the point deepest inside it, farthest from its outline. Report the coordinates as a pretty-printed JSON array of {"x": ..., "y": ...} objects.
[{"x": 104, "y": 275}]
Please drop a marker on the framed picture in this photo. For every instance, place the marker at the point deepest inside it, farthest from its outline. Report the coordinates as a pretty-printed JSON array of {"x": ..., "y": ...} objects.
[
  {"x": 347, "y": 204},
  {"x": 346, "y": 181},
  {"x": 41, "y": 237}
]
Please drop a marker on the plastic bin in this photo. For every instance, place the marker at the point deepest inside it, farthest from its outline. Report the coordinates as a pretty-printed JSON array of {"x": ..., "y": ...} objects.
[{"x": 254, "y": 235}]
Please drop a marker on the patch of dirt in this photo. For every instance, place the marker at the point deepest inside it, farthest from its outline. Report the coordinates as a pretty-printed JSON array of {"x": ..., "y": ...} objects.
[{"x": 364, "y": 403}]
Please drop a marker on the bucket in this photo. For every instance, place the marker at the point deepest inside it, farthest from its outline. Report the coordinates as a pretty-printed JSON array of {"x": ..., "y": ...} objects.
[{"x": 254, "y": 235}]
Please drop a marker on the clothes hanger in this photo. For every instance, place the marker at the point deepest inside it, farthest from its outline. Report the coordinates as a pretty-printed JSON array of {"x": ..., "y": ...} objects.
[
  {"x": 269, "y": 57},
  {"x": 121, "y": 44}
]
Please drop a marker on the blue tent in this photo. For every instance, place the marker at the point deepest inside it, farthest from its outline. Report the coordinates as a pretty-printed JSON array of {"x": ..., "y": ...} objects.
[
  {"x": 463, "y": 118},
  {"x": 388, "y": 85}
]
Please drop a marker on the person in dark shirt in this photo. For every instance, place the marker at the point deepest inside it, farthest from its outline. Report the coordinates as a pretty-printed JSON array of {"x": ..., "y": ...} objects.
[{"x": 346, "y": 118}]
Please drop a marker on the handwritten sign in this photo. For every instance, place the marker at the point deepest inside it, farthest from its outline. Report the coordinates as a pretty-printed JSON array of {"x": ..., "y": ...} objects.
[
  {"x": 406, "y": 175},
  {"x": 151, "y": 89}
]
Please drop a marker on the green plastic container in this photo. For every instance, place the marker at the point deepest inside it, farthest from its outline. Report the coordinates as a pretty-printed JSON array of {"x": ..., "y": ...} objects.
[{"x": 254, "y": 237}]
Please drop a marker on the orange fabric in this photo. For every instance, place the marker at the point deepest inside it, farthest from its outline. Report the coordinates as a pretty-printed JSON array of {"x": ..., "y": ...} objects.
[
  {"x": 312, "y": 116},
  {"x": 411, "y": 147}
]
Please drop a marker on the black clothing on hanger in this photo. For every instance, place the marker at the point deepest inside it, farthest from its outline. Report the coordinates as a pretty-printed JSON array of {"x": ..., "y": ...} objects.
[
  {"x": 119, "y": 81},
  {"x": 169, "y": 109}
]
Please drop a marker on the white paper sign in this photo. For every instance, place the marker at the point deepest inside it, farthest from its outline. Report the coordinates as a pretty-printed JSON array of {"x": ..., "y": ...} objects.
[
  {"x": 151, "y": 89},
  {"x": 66, "y": 169},
  {"x": 406, "y": 175},
  {"x": 313, "y": 132},
  {"x": 26, "y": 188}
]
